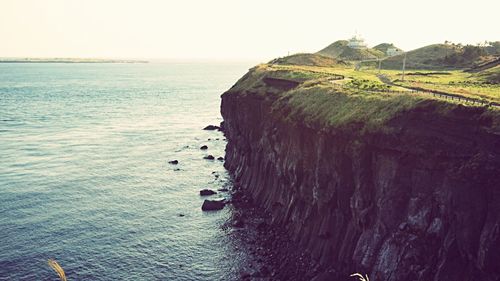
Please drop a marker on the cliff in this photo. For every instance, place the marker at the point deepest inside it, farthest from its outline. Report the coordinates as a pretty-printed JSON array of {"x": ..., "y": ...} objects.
[{"x": 399, "y": 188}]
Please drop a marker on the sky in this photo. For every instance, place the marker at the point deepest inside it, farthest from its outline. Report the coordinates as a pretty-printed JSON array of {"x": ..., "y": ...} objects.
[{"x": 232, "y": 29}]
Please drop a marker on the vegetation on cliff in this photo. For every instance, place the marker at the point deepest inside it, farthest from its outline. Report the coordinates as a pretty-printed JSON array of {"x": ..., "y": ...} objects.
[
  {"x": 366, "y": 174},
  {"x": 373, "y": 170},
  {"x": 338, "y": 95},
  {"x": 309, "y": 60}
]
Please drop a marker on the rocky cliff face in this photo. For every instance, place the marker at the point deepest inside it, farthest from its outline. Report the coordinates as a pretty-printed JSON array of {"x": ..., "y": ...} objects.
[{"x": 416, "y": 199}]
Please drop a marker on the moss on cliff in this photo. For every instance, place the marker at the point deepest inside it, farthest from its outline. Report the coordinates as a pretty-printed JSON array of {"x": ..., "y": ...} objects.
[{"x": 337, "y": 108}]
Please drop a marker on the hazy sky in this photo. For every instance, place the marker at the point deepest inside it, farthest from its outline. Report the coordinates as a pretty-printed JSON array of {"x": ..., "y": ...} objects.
[{"x": 232, "y": 29}]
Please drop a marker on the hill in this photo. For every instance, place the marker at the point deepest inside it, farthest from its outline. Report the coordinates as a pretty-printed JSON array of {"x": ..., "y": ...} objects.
[
  {"x": 309, "y": 60},
  {"x": 429, "y": 57},
  {"x": 384, "y": 46},
  {"x": 441, "y": 56},
  {"x": 361, "y": 54},
  {"x": 340, "y": 50},
  {"x": 335, "y": 49}
]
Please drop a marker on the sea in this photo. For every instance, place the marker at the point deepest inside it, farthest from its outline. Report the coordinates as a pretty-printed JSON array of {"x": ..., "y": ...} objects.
[{"x": 85, "y": 177}]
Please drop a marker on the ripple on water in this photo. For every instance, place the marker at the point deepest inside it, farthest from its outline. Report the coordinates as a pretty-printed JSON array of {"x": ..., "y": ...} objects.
[{"x": 84, "y": 174}]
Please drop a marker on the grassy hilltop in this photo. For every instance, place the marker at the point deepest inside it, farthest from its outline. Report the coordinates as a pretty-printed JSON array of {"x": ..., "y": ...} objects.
[
  {"x": 330, "y": 91},
  {"x": 443, "y": 56},
  {"x": 340, "y": 50},
  {"x": 437, "y": 56}
]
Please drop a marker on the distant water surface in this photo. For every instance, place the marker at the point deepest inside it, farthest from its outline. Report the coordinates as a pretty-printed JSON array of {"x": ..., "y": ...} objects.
[{"x": 84, "y": 173}]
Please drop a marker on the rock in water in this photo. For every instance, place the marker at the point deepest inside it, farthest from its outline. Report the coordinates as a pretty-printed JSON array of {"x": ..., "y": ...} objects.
[
  {"x": 220, "y": 158},
  {"x": 204, "y": 147},
  {"x": 211, "y": 128},
  {"x": 213, "y": 205},
  {"x": 173, "y": 162},
  {"x": 207, "y": 192},
  {"x": 209, "y": 157}
]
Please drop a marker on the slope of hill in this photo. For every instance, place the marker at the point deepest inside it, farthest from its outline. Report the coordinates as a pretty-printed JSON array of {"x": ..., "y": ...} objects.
[
  {"x": 429, "y": 57},
  {"x": 441, "y": 56},
  {"x": 491, "y": 75},
  {"x": 309, "y": 60},
  {"x": 361, "y": 54},
  {"x": 485, "y": 66},
  {"x": 335, "y": 49},
  {"x": 384, "y": 46},
  {"x": 340, "y": 50}
]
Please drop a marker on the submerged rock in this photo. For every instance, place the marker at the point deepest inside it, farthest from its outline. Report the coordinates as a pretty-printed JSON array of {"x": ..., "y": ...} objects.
[
  {"x": 207, "y": 192},
  {"x": 213, "y": 205},
  {"x": 173, "y": 162}
]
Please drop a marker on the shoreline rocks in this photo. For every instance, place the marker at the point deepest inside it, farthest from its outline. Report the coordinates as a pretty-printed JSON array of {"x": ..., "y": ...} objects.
[
  {"x": 213, "y": 205},
  {"x": 211, "y": 128},
  {"x": 207, "y": 192}
]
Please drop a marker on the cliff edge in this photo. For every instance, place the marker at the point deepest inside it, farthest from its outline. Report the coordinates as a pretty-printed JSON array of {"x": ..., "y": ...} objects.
[{"x": 399, "y": 187}]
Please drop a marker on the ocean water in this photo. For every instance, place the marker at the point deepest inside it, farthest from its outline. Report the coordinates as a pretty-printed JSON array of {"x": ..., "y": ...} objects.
[{"x": 85, "y": 179}]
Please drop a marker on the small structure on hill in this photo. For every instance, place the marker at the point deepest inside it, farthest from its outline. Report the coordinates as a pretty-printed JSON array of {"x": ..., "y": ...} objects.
[
  {"x": 356, "y": 42},
  {"x": 393, "y": 51}
]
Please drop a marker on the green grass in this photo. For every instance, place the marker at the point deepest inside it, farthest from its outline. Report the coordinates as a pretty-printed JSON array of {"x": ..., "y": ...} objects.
[
  {"x": 473, "y": 85},
  {"x": 319, "y": 100},
  {"x": 328, "y": 106},
  {"x": 364, "y": 84},
  {"x": 440, "y": 56},
  {"x": 307, "y": 59},
  {"x": 491, "y": 75},
  {"x": 340, "y": 50}
]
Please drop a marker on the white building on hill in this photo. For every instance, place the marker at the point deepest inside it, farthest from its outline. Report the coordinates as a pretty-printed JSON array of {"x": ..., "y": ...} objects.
[
  {"x": 393, "y": 51},
  {"x": 356, "y": 42}
]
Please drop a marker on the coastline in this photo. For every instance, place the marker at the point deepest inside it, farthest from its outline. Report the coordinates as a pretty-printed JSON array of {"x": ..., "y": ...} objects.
[
  {"x": 392, "y": 198},
  {"x": 69, "y": 60}
]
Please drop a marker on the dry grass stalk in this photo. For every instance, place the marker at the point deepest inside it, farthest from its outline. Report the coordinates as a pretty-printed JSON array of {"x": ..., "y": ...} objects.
[{"x": 58, "y": 269}]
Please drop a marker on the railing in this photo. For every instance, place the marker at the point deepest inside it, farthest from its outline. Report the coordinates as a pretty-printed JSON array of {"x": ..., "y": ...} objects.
[{"x": 437, "y": 93}]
